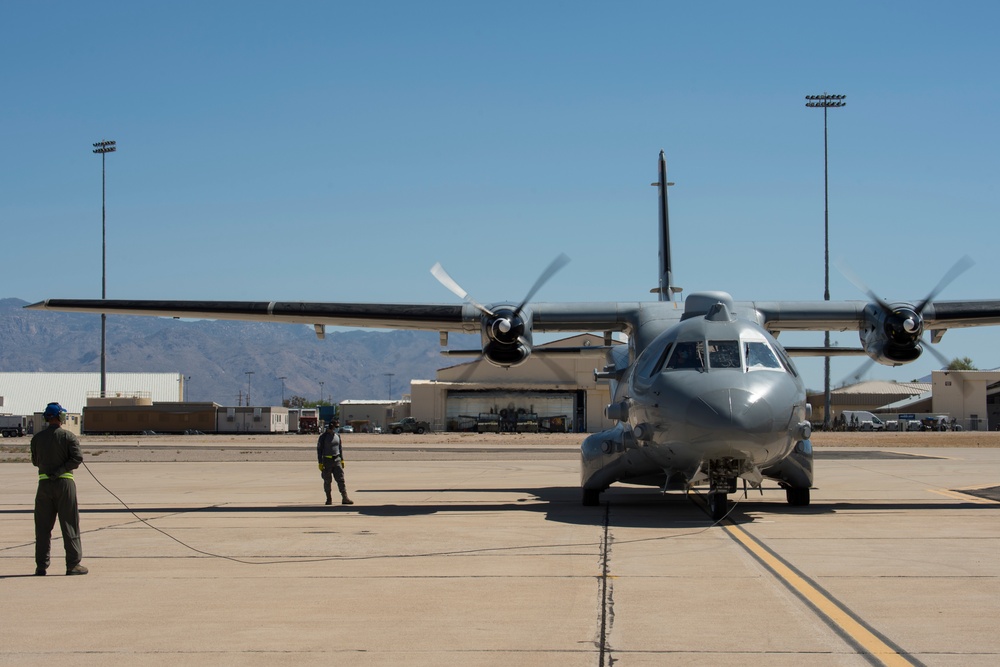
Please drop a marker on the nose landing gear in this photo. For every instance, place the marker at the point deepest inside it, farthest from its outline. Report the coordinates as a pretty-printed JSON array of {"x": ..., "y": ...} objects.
[{"x": 718, "y": 496}]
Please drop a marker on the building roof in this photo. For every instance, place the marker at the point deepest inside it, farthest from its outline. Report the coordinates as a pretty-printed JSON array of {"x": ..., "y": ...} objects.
[
  {"x": 885, "y": 388},
  {"x": 28, "y": 393},
  {"x": 912, "y": 404},
  {"x": 373, "y": 401}
]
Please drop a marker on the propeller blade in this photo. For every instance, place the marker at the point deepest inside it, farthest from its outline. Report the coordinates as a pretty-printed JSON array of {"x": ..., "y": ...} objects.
[
  {"x": 960, "y": 267},
  {"x": 442, "y": 276},
  {"x": 945, "y": 361},
  {"x": 857, "y": 282},
  {"x": 559, "y": 262},
  {"x": 859, "y": 372}
]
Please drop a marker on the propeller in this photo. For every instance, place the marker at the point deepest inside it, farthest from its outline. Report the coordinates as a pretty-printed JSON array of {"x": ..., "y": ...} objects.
[
  {"x": 904, "y": 324},
  {"x": 506, "y": 334}
]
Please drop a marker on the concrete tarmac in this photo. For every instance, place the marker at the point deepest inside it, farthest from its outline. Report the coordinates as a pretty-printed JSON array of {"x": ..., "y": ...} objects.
[{"x": 493, "y": 561}]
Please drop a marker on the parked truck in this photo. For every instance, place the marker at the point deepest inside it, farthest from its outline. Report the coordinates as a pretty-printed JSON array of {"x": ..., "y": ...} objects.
[
  {"x": 12, "y": 426},
  {"x": 409, "y": 425}
]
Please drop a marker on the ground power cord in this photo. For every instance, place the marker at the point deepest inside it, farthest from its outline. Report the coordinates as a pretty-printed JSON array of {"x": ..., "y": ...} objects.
[
  {"x": 324, "y": 559},
  {"x": 165, "y": 533}
]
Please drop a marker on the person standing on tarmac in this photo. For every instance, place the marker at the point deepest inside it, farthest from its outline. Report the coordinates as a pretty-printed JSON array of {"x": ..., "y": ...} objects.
[
  {"x": 330, "y": 455},
  {"x": 56, "y": 453}
]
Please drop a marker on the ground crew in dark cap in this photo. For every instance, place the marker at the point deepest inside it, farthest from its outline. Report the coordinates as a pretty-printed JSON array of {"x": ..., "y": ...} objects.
[
  {"x": 56, "y": 453},
  {"x": 331, "y": 462}
]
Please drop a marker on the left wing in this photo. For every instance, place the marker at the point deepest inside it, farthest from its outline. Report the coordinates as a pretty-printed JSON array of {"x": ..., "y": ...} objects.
[{"x": 505, "y": 329}]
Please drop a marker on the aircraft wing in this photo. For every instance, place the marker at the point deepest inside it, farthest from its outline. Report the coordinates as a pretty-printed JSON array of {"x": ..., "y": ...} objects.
[
  {"x": 849, "y": 315},
  {"x": 578, "y": 317},
  {"x": 956, "y": 314},
  {"x": 436, "y": 317}
]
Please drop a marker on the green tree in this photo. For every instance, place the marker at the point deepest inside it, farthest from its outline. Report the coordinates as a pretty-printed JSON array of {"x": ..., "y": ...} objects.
[{"x": 963, "y": 364}]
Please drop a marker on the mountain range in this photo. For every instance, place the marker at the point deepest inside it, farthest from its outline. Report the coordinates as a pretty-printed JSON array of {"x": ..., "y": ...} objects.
[{"x": 216, "y": 356}]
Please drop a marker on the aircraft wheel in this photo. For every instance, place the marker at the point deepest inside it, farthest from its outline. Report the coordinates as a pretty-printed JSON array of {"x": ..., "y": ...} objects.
[
  {"x": 797, "y": 497},
  {"x": 591, "y": 497},
  {"x": 718, "y": 503}
]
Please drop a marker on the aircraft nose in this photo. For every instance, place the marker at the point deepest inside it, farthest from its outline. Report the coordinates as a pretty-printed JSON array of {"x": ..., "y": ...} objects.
[{"x": 731, "y": 408}]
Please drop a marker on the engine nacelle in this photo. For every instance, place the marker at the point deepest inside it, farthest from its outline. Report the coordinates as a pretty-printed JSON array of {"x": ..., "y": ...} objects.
[
  {"x": 506, "y": 335},
  {"x": 892, "y": 337}
]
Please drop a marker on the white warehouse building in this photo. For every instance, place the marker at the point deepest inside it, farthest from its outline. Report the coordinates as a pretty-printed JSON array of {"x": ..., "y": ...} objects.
[{"x": 28, "y": 393}]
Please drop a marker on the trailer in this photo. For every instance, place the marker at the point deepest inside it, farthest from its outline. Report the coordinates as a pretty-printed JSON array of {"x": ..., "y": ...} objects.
[
  {"x": 308, "y": 420},
  {"x": 12, "y": 426}
]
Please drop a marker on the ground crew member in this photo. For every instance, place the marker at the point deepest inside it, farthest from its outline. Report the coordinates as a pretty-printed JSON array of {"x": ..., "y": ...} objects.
[
  {"x": 56, "y": 453},
  {"x": 331, "y": 462}
]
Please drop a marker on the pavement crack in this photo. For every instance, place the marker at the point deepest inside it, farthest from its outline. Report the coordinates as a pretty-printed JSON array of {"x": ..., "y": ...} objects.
[{"x": 607, "y": 593}]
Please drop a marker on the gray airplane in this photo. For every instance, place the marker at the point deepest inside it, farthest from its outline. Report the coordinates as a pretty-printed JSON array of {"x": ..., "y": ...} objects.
[{"x": 703, "y": 395}]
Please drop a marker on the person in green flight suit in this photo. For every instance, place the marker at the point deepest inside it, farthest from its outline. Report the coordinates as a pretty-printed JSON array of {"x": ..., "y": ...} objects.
[
  {"x": 56, "y": 453},
  {"x": 330, "y": 454}
]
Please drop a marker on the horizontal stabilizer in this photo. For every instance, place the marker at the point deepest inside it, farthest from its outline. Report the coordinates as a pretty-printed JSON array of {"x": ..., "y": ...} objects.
[
  {"x": 825, "y": 351},
  {"x": 538, "y": 351}
]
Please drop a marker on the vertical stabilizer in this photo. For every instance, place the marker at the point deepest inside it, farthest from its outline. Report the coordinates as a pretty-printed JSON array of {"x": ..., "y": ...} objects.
[{"x": 666, "y": 288}]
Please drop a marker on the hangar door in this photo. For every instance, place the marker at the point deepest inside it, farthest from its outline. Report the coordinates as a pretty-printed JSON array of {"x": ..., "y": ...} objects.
[{"x": 463, "y": 406}]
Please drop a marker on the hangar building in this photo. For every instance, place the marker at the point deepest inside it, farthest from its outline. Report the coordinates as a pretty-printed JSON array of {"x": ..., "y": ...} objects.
[{"x": 559, "y": 388}]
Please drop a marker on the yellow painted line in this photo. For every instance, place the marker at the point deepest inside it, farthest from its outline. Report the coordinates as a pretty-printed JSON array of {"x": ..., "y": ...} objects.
[
  {"x": 965, "y": 498},
  {"x": 851, "y": 627}
]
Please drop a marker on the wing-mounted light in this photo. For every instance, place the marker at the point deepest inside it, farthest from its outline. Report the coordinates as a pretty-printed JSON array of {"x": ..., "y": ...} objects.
[
  {"x": 505, "y": 328},
  {"x": 892, "y": 333}
]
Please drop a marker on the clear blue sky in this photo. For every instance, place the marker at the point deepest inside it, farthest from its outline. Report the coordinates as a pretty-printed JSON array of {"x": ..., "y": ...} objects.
[{"x": 333, "y": 151}]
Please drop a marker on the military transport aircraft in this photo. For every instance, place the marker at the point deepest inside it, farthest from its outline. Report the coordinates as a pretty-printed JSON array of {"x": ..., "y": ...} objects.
[{"x": 703, "y": 395}]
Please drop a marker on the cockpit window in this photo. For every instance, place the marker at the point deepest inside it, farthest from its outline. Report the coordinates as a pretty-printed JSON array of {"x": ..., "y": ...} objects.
[
  {"x": 760, "y": 357},
  {"x": 724, "y": 354},
  {"x": 687, "y": 355},
  {"x": 650, "y": 363},
  {"x": 786, "y": 362}
]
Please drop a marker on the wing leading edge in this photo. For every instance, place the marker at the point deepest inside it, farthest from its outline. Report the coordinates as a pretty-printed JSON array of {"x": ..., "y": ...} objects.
[{"x": 555, "y": 317}]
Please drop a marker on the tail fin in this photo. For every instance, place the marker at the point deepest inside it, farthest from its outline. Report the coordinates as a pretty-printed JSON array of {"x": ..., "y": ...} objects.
[{"x": 666, "y": 289}]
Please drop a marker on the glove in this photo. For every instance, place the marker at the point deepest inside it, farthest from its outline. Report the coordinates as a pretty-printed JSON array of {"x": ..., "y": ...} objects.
[
  {"x": 320, "y": 466},
  {"x": 342, "y": 463}
]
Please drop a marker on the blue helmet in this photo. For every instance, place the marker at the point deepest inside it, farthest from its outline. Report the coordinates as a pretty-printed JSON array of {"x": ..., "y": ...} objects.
[{"x": 54, "y": 410}]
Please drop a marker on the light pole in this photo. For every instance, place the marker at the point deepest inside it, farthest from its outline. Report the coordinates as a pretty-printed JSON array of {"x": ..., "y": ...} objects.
[
  {"x": 321, "y": 392},
  {"x": 389, "y": 375},
  {"x": 283, "y": 378},
  {"x": 103, "y": 148},
  {"x": 248, "y": 374},
  {"x": 826, "y": 101}
]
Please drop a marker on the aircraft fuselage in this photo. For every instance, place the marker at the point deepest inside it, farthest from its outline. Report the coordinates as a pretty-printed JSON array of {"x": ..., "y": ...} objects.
[{"x": 710, "y": 399}]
